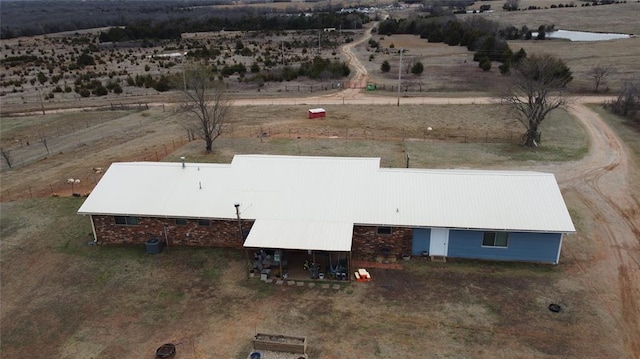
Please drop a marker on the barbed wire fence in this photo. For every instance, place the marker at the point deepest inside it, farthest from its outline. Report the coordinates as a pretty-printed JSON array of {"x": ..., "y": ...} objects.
[
  {"x": 80, "y": 185},
  {"x": 390, "y": 134}
]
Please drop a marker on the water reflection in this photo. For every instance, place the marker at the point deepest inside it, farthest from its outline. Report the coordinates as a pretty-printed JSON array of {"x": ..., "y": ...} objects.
[{"x": 582, "y": 35}]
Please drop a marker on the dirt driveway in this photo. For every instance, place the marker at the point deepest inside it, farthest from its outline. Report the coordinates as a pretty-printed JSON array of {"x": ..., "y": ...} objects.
[{"x": 601, "y": 182}]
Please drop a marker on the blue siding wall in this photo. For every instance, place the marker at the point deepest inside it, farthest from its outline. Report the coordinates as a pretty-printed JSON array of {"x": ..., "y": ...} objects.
[
  {"x": 421, "y": 240},
  {"x": 535, "y": 247}
]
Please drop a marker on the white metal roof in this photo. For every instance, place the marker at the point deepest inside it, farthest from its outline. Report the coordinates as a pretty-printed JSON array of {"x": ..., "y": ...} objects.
[
  {"x": 313, "y": 235},
  {"x": 316, "y": 110},
  {"x": 307, "y": 193}
]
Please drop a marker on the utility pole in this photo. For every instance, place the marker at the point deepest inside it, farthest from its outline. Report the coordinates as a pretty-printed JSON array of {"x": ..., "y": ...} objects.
[
  {"x": 184, "y": 79},
  {"x": 41, "y": 101},
  {"x": 400, "y": 77}
]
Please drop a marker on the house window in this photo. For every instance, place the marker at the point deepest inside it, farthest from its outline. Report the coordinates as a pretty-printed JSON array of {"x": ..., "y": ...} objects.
[
  {"x": 126, "y": 220},
  {"x": 384, "y": 230},
  {"x": 495, "y": 239},
  {"x": 204, "y": 223},
  {"x": 181, "y": 221}
]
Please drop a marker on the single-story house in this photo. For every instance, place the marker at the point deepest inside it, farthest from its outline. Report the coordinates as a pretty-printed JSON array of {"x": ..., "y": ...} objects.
[{"x": 350, "y": 206}]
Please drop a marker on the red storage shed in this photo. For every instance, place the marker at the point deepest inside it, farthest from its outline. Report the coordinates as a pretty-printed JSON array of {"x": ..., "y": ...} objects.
[{"x": 317, "y": 113}]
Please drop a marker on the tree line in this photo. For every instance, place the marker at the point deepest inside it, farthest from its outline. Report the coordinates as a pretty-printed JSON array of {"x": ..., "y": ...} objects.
[
  {"x": 164, "y": 19},
  {"x": 487, "y": 38},
  {"x": 173, "y": 29}
]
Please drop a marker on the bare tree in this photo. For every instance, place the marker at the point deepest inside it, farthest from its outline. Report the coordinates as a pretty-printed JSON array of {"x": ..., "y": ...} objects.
[
  {"x": 598, "y": 73},
  {"x": 536, "y": 88},
  {"x": 6, "y": 155},
  {"x": 628, "y": 101},
  {"x": 206, "y": 104}
]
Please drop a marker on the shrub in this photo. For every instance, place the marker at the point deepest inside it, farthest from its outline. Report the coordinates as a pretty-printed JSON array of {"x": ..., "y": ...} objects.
[
  {"x": 85, "y": 60},
  {"x": 162, "y": 84},
  {"x": 385, "y": 67},
  {"x": 505, "y": 68},
  {"x": 417, "y": 68},
  {"x": 100, "y": 90},
  {"x": 485, "y": 64}
]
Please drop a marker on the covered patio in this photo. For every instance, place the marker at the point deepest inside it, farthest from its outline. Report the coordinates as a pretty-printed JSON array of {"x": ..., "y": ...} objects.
[{"x": 300, "y": 250}]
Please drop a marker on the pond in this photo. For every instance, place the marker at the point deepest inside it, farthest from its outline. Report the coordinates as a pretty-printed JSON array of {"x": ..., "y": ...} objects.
[{"x": 582, "y": 35}]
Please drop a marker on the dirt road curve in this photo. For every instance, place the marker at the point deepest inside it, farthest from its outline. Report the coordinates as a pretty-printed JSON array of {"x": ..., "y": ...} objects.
[{"x": 601, "y": 182}]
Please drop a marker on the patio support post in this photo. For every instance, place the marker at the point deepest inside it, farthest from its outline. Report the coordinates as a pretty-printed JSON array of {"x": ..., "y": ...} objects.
[{"x": 349, "y": 268}]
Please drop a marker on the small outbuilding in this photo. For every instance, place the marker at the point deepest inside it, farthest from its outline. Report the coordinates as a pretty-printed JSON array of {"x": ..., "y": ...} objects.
[{"x": 317, "y": 113}]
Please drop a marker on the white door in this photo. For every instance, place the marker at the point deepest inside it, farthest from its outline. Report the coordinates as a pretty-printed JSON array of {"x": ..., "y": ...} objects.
[{"x": 439, "y": 242}]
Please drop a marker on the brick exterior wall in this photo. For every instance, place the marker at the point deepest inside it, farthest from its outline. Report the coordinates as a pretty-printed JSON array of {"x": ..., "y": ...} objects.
[
  {"x": 368, "y": 245},
  {"x": 220, "y": 233}
]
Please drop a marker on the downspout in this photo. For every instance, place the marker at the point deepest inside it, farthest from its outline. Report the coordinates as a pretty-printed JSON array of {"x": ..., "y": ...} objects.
[
  {"x": 166, "y": 236},
  {"x": 559, "y": 248},
  {"x": 237, "y": 205},
  {"x": 349, "y": 268},
  {"x": 93, "y": 229}
]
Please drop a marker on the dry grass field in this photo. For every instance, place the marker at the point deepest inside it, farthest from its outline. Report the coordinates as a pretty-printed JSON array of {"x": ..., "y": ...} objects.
[
  {"x": 61, "y": 297},
  {"x": 451, "y": 69},
  {"x": 461, "y": 135}
]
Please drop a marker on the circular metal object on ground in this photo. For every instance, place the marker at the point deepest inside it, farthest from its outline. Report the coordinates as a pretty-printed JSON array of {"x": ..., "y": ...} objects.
[{"x": 166, "y": 351}]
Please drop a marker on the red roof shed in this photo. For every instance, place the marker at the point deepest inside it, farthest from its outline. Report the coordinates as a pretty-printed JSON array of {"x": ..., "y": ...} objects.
[{"x": 317, "y": 113}]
